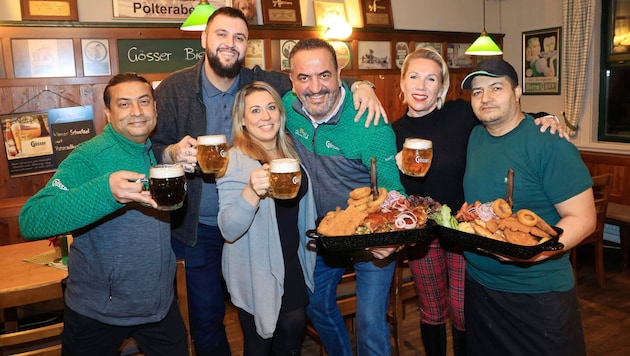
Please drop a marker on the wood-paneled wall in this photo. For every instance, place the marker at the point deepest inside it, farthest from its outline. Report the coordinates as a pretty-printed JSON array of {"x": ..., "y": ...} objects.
[{"x": 618, "y": 165}]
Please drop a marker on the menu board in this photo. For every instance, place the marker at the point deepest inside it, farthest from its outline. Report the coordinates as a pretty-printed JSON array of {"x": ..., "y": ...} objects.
[{"x": 36, "y": 142}]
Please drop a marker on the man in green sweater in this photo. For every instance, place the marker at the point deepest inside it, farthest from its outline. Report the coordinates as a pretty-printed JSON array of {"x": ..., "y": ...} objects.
[
  {"x": 336, "y": 151},
  {"x": 121, "y": 266}
]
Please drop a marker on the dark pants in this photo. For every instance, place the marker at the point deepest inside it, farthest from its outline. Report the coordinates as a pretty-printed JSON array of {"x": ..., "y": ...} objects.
[
  {"x": 85, "y": 336},
  {"x": 286, "y": 340},
  {"x": 206, "y": 299},
  {"x": 502, "y": 323}
]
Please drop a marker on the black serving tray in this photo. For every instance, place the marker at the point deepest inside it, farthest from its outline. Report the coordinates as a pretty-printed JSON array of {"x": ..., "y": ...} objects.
[
  {"x": 361, "y": 242},
  {"x": 477, "y": 242}
]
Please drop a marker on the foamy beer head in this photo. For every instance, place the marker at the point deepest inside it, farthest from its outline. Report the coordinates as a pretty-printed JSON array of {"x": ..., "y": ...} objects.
[
  {"x": 285, "y": 178},
  {"x": 212, "y": 153},
  {"x": 167, "y": 184},
  {"x": 417, "y": 154}
]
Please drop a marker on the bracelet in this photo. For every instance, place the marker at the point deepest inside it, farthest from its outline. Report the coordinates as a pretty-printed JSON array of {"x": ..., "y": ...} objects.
[{"x": 355, "y": 86}]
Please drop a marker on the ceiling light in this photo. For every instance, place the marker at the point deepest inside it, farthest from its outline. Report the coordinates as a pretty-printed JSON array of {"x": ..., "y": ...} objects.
[
  {"x": 484, "y": 45},
  {"x": 199, "y": 17}
]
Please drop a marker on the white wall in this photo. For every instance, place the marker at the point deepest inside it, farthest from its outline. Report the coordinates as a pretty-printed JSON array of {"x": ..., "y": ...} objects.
[{"x": 510, "y": 17}]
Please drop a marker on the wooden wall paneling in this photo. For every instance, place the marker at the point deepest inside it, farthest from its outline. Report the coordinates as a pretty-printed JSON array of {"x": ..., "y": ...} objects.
[{"x": 618, "y": 165}]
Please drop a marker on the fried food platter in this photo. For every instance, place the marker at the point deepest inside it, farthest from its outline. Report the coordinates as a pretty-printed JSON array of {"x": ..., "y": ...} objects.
[
  {"x": 424, "y": 234},
  {"x": 477, "y": 242}
]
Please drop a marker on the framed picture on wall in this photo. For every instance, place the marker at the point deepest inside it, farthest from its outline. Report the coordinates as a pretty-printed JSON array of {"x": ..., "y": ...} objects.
[
  {"x": 37, "y": 58},
  {"x": 249, "y": 8},
  {"x": 281, "y": 12},
  {"x": 95, "y": 57},
  {"x": 377, "y": 13},
  {"x": 49, "y": 10},
  {"x": 541, "y": 61},
  {"x": 374, "y": 55},
  {"x": 255, "y": 54},
  {"x": 326, "y": 12}
]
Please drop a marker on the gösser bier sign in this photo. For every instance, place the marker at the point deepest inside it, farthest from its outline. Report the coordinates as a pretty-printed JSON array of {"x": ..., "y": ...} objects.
[{"x": 157, "y": 56}]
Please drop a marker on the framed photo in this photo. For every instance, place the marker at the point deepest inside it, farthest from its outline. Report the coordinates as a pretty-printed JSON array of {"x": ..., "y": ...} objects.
[
  {"x": 285, "y": 49},
  {"x": 255, "y": 54},
  {"x": 402, "y": 50},
  {"x": 377, "y": 13},
  {"x": 249, "y": 8},
  {"x": 326, "y": 12},
  {"x": 95, "y": 57},
  {"x": 374, "y": 55},
  {"x": 435, "y": 45},
  {"x": 284, "y": 12},
  {"x": 456, "y": 56},
  {"x": 541, "y": 61},
  {"x": 61, "y": 10},
  {"x": 37, "y": 58}
]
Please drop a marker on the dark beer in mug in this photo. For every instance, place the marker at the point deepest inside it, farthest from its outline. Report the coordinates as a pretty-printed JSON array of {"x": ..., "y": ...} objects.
[
  {"x": 285, "y": 178},
  {"x": 212, "y": 153},
  {"x": 167, "y": 184},
  {"x": 417, "y": 155}
]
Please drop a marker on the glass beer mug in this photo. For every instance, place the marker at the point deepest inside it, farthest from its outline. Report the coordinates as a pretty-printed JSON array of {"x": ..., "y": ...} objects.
[
  {"x": 285, "y": 178},
  {"x": 417, "y": 155}
]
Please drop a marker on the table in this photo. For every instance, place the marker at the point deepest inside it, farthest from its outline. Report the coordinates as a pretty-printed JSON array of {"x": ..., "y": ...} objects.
[
  {"x": 24, "y": 282},
  {"x": 618, "y": 214}
]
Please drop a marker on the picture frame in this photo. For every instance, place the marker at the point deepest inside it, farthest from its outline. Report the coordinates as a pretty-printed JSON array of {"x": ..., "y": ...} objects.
[
  {"x": 255, "y": 54},
  {"x": 285, "y": 12},
  {"x": 542, "y": 61},
  {"x": 96, "y": 57},
  {"x": 327, "y": 10},
  {"x": 374, "y": 55},
  {"x": 49, "y": 10},
  {"x": 456, "y": 56},
  {"x": 41, "y": 58},
  {"x": 377, "y": 13}
]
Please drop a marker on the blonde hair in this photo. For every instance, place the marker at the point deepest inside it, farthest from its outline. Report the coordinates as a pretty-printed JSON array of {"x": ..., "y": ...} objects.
[
  {"x": 242, "y": 140},
  {"x": 432, "y": 54}
]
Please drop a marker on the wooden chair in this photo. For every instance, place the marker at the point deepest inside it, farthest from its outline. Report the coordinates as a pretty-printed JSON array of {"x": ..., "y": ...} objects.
[
  {"x": 602, "y": 185},
  {"x": 40, "y": 341},
  {"x": 347, "y": 303},
  {"x": 403, "y": 289}
]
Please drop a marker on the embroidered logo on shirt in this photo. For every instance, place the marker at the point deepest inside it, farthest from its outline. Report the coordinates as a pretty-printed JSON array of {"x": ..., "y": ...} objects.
[
  {"x": 301, "y": 133},
  {"x": 330, "y": 145},
  {"x": 57, "y": 183}
]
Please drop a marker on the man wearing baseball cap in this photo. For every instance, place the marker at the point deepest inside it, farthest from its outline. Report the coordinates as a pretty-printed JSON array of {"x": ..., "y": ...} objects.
[{"x": 513, "y": 306}]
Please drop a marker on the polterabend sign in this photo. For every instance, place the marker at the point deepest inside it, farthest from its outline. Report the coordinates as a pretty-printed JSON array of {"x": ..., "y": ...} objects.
[{"x": 157, "y": 9}]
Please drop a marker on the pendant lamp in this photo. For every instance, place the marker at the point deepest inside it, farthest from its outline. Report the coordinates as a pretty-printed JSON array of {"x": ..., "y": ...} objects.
[
  {"x": 484, "y": 45},
  {"x": 197, "y": 20}
]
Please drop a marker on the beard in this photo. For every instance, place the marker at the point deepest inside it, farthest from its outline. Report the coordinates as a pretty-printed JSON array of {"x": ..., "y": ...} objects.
[
  {"x": 221, "y": 70},
  {"x": 320, "y": 110}
]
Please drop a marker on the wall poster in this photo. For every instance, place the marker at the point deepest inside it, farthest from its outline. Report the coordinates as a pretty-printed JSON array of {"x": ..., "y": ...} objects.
[
  {"x": 36, "y": 58},
  {"x": 36, "y": 142},
  {"x": 541, "y": 61}
]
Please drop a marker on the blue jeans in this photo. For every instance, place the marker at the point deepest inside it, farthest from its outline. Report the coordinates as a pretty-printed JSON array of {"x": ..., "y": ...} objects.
[
  {"x": 373, "y": 285},
  {"x": 206, "y": 299}
]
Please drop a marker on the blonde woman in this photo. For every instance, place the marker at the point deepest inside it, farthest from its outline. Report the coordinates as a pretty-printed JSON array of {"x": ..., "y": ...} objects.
[{"x": 266, "y": 263}]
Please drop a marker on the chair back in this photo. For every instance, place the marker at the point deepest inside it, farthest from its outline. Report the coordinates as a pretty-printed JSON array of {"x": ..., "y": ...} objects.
[
  {"x": 602, "y": 185},
  {"x": 41, "y": 341}
]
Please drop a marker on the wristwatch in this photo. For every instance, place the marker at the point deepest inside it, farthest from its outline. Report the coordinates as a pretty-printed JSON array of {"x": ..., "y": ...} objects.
[{"x": 355, "y": 85}]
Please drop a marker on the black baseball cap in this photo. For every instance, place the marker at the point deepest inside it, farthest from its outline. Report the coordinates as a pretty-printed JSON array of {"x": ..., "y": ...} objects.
[{"x": 492, "y": 67}]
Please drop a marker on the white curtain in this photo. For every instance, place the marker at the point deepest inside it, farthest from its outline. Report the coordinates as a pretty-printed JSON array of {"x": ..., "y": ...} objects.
[{"x": 577, "y": 23}]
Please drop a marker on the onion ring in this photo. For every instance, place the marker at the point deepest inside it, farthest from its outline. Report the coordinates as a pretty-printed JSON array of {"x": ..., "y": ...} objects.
[
  {"x": 502, "y": 208},
  {"x": 527, "y": 217}
]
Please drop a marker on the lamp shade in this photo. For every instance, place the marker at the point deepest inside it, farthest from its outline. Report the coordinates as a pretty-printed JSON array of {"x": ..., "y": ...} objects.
[
  {"x": 484, "y": 46},
  {"x": 199, "y": 17}
]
